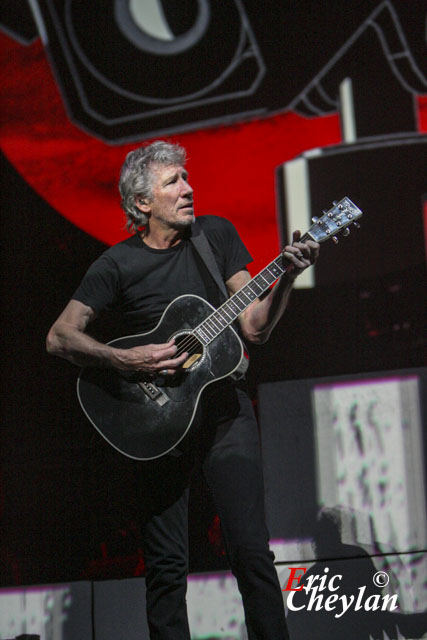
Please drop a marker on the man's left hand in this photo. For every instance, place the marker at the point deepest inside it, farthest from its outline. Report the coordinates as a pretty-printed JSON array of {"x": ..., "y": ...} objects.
[{"x": 300, "y": 254}]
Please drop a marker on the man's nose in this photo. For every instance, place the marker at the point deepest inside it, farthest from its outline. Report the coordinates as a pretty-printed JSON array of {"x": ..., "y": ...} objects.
[{"x": 186, "y": 189}]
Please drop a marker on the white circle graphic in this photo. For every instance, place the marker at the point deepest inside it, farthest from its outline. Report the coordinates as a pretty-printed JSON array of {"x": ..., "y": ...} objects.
[{"x": 381, "y": 579}]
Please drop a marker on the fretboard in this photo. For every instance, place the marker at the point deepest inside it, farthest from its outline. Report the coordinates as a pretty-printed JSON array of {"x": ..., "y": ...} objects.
[{"x": 227, "y": 313}]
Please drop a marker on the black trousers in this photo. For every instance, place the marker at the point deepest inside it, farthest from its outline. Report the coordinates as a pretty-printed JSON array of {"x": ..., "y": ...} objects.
[{"x": 226, "y": 447}]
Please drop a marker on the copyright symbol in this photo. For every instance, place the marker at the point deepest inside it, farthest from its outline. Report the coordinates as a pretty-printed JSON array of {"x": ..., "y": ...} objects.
[{"x": 381, "y": 579}]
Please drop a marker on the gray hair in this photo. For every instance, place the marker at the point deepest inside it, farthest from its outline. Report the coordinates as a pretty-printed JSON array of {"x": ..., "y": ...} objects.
[{"x": 136, "y": 177}]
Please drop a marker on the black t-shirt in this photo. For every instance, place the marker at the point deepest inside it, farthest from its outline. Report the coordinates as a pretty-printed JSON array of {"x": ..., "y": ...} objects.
[{"x": 139, "y": 282}]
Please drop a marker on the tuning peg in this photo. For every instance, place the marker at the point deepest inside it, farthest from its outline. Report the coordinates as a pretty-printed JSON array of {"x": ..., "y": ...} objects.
[
  {"x": 335, "y": 239},
  {"x": 315, "y": 219},
  {"x": 338, "y": 204},
  {"x": 346, "y": 232},
  {"x": 357, "y": 225}
]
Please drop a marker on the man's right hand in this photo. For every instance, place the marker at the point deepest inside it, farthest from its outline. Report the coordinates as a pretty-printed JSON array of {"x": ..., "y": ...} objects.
[
  {"x": 67, "y": 339},
  {"x": 150, "y": 358}
]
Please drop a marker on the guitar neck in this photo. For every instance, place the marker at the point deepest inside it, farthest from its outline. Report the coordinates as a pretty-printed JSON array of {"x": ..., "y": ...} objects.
[
  {"x": 227, "y": 313},
  {"x": 332, "y": 222}
]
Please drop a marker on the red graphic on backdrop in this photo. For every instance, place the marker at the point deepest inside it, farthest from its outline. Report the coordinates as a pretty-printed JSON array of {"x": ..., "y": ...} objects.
[{"x": 231, "y": 168}]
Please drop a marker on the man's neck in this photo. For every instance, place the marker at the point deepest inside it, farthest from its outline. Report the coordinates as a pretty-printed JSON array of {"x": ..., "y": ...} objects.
[{"x": 162, "y": 238}]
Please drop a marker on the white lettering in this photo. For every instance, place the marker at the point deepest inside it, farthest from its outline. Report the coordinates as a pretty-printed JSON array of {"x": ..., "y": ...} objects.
[
  {"x": 323, "y": 579},
  {"x": 359, "y": 605},
  {"x": 314, "y": 599},
  {"x": 329, "y": 601},
  {"x": 318, "y": 601},
  {"x": 345, "y": 605},
  {"x": 290, "y": 602},
  {"x": 331, "y": 586},
  {"x": 375, "y": 598},
  {"x": 310, "y": 581},
  {"x": 387, "y": 599}
]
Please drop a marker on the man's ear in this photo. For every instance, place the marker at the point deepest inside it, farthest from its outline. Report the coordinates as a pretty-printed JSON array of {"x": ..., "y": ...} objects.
[{"x": 142, "y": 204}]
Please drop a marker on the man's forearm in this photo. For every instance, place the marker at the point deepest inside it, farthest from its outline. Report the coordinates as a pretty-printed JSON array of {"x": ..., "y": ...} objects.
[
  {"x": 80, "y": 348},
  {"x": 263, "y": 316},
  {"x": 73, "y": 344}
]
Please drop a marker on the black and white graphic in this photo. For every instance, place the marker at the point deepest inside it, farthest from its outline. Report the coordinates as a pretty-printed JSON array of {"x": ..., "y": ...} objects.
[{"x": 131, "y": 69}]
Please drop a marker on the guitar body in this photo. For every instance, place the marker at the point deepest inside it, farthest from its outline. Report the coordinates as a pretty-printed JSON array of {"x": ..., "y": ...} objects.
[{"x": 146, "y": 419}]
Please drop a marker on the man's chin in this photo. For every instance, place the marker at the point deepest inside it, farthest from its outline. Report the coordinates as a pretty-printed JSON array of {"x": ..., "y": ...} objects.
[{"x": 184, "y": 222}]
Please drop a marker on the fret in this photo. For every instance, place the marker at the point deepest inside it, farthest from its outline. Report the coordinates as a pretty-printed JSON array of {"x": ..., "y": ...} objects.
[
  {"x": 208, "y": 329},
  {"x": 281, "y": 263},
  {"x": 217, "y": 320},
  {"x": 234, "y": 307},
  {"x": 253, "y": 286},
  {"x": 241, "y": 292},
  {"x": 238, "y": 302},
  {"x": 267, "y": 276},
  {"x": 251, "y": 295},
  {"x": 263, "y": 284},
  {"x": 223, "y": 309},
  {"x": 202, "y": 335},
  {"x": 205, "y": 328},
  {"x": 274, "y": 270},
  {"x": 267, "y": 271},
  {"x": 222, "y": 319},
  {"x": 209, "y": 325}
]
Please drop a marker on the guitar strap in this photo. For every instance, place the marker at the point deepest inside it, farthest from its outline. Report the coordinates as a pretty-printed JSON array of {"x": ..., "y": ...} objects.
[{"x": 203, "y": 248}]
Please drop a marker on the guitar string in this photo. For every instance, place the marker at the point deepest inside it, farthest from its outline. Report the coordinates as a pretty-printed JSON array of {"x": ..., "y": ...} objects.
[
  {"x": 191, "y": 342},
  {"x": 182, "y": 347},
  {"x": 191, "y": 349}
]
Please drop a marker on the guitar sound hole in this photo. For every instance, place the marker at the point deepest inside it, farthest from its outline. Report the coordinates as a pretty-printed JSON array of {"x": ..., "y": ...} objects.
[{"x": 186, "y": 341}]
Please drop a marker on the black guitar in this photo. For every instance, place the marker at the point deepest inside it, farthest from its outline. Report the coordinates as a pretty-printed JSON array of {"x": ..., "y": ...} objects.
[{"x": 146, "y": 418}]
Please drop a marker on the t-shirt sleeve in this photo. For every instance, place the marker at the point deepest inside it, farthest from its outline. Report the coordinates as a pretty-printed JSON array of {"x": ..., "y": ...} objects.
[
  {"x": 237, "y": 256},
  {"x": 100, "y": 286},
  {"x": 230, "y": 252}
]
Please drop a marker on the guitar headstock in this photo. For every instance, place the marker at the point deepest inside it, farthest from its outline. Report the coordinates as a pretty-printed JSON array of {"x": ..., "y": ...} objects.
[{"x": 337, "y": 219}]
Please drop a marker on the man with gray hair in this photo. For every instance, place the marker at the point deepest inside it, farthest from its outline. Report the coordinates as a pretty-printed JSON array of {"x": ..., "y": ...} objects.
[{"x": 139, "y": 277}]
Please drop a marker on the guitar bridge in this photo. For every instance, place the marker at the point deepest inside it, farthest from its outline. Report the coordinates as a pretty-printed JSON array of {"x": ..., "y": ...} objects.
[
  {"x": 191, "y": 360},
  {"x": 153, "y": 392}
]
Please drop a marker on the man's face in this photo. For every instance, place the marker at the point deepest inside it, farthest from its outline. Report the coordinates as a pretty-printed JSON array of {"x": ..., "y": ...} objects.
[{"x": 171, "y": 204}]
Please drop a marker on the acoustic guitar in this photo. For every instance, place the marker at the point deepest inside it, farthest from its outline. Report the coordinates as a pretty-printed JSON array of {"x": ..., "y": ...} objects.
[{"x": 145, "y": 418}]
